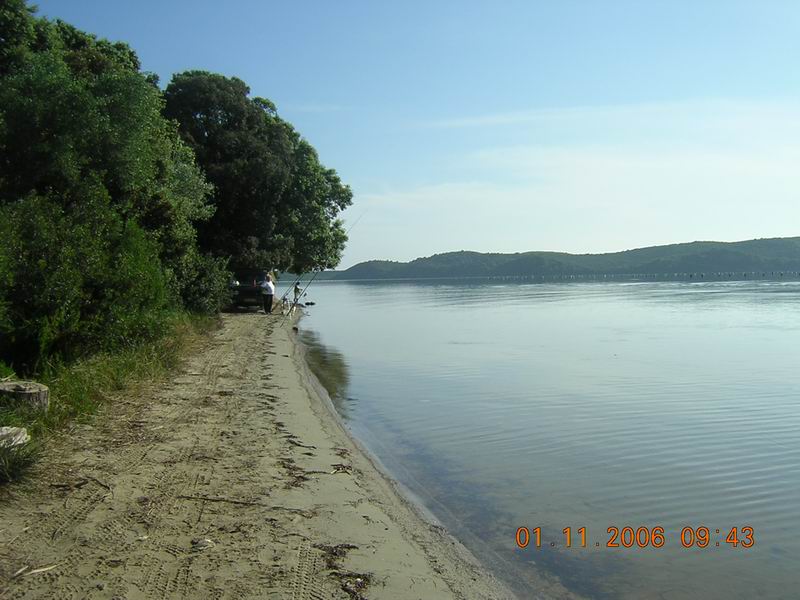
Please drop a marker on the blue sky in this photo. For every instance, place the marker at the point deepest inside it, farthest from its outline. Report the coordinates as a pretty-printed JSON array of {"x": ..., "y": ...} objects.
[{"x": 510, "y": 126}]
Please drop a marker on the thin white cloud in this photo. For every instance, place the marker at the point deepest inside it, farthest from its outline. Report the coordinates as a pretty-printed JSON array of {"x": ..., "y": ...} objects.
[
  {"x": 584, "y": 203},
  {"x": 672, "y": 164},
  {"x": 716, "y": 111},
  {"x": 603, "y": 180},
  {"x": 540, "y": 115}
]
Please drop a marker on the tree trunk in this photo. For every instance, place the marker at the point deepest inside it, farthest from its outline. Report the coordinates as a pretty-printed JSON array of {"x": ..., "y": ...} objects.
[{"x": 24, "y": 393}]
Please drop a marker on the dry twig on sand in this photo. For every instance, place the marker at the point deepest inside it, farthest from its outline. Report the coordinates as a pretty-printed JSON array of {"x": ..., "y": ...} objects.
[{"x": 228, "y": 500}]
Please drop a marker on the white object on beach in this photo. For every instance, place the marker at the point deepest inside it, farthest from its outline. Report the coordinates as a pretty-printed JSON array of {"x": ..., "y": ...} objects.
[{"x": 13, "y": 436}]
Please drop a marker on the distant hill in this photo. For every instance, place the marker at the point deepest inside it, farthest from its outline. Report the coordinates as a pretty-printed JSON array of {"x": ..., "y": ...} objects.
[{"x": 763, "y": 256}]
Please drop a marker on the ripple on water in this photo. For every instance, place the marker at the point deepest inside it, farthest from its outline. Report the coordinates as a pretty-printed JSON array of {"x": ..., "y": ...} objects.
[{"x": 586, "y": 404}]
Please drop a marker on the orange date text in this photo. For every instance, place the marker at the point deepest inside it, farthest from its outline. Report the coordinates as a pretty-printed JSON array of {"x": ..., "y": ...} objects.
[{"x": 639, "y": 537}]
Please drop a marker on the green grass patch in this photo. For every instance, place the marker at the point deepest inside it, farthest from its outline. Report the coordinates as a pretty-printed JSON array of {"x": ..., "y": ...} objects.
[
  {"x": 78, "y": 389},
  {"x": 15, "y": 462}
]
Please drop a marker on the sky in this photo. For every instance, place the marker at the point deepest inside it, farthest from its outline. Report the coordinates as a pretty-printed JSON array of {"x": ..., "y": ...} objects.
[{"x": 509, "y": 126}]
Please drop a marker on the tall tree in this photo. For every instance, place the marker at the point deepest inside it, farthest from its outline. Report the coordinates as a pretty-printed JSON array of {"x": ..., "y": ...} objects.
[
  {"x": 98, "y": 197},
  {"x": 79, "y": 120},
  {"x": 276, "y": 205}
]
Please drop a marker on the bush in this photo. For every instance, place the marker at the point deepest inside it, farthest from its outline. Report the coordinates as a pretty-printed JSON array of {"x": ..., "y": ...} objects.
[
  {"x": 80, "y": 280},
  {"x": 5, "y": 272},
  {"x": 209, "y": 293},
  {"x": 133, "y": 300},
  {"x": 48, "y": 266}
]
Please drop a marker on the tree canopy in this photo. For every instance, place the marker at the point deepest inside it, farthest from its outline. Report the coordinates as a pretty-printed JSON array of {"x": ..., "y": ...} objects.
[{"x": 276, "y": 204}]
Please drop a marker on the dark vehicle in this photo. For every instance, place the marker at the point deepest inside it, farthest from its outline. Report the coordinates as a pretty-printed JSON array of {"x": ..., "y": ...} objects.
[{"x": 246, "y": 287}]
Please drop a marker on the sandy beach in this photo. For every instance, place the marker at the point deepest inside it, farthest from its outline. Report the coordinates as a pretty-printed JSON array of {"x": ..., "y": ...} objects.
[{"x": 231, "y": 479}]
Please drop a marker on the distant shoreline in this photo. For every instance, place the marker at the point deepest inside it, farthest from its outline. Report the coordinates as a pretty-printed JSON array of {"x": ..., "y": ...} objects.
[
  {"x": 763, "y": 256},
  {"x": 688, "y": 277}
]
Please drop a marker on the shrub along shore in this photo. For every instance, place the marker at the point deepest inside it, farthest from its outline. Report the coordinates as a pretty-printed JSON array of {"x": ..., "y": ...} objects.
[{"x": 124, "y": 207}]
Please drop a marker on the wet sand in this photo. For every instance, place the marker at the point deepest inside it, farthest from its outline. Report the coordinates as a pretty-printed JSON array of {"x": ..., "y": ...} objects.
[{"x": 232, "y": 479}]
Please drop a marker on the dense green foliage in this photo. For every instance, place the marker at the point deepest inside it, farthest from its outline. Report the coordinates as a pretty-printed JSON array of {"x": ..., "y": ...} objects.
[
  {"x": 98, "y": 197},
  {"x": 16, "y": 32},
  {"x": 276, "y": 203},
  {"x": 765, "y": 256},
  {"x": 82, "y": 278},
  {"x": 109, "y": 221}
]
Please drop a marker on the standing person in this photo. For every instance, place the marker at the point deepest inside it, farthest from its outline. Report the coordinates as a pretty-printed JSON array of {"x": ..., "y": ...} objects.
[
  {"x": 297, "y": 294},
  {"x": 268, "y": 292}
]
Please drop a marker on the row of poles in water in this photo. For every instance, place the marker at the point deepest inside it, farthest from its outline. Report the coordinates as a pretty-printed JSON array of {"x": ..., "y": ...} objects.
[{"x": 733, "y": 275}]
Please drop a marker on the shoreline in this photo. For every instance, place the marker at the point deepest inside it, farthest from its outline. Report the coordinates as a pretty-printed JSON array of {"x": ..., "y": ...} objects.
[
  {"x": 510, "y": 579},
  {"x": 317, "y": 389},
  {"x": 231, "y": 478},
  {"x": 418, "y": 520}
]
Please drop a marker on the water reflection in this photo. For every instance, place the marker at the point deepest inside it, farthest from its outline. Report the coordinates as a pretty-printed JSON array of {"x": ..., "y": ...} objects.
[
  {"x": 330, "y": 368},
  {"x": 465, "y": 507}
]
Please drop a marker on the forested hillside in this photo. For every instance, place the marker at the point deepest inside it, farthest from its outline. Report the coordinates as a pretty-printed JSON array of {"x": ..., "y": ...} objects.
[{"x": 752, "y": 256}]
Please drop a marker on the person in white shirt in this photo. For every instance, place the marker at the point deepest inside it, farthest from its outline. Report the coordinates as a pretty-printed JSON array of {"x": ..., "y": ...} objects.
[{"x": 268, "y": 293}]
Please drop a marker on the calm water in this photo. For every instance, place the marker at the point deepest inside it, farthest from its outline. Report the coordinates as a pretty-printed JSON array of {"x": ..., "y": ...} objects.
[{"x": 583, "y": 405}]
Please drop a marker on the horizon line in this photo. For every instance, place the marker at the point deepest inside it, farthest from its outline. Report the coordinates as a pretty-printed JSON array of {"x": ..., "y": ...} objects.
[{"x": 565, "y": 252}]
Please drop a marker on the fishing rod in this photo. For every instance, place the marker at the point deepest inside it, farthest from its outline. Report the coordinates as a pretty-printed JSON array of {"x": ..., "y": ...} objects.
[
  {"x": 302, "y": 293},
  {"x": 297, "y": 300},
  {"x": 289, "y": 289},
  {"x": 349, "y": 229}
]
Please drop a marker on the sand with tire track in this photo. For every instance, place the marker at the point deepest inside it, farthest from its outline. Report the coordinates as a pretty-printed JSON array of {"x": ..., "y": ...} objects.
[{"x": 231, "y": 479}]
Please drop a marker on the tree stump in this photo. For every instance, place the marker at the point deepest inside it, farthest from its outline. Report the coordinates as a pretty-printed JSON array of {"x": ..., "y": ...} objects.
[{"x": 24, "y": 394}]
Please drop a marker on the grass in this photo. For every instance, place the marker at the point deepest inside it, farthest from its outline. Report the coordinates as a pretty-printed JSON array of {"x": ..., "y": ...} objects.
[
  {"x": 15, "y": 462},
  {"x": 78, "y": 389}
]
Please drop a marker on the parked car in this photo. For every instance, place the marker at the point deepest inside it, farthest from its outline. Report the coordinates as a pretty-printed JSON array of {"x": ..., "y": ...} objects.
[{"x": 246, "y": 287}]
